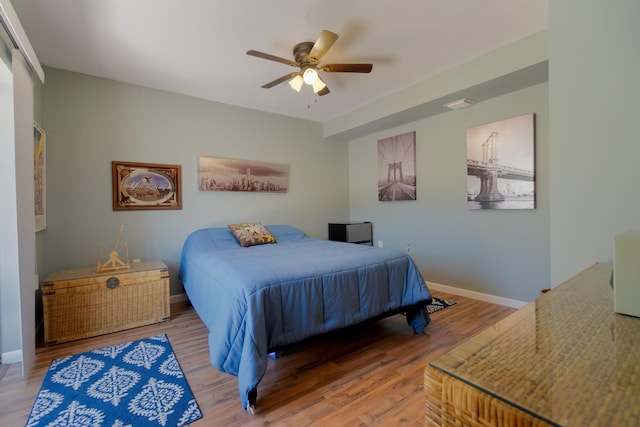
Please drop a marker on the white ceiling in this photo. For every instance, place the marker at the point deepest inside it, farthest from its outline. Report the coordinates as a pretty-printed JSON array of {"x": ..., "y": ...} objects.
[{"x": 198, "y": 47}]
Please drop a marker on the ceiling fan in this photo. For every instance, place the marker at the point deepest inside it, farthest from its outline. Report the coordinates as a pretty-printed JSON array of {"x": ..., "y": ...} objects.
[{"x": 307, "y": 58}]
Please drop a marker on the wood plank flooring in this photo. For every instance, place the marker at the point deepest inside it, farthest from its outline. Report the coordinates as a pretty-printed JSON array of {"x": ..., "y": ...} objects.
[{"x": 370, "y": 374}]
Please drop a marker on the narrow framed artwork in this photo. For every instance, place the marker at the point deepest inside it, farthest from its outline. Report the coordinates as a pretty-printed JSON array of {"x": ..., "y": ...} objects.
[
  {"x": 40, "y": 176},
  {"x": 397, "y": 167},
  {"x": 145, "y": 186},
  {"x": 501, "y": 164},
  {"x": 221, "y": 174}
]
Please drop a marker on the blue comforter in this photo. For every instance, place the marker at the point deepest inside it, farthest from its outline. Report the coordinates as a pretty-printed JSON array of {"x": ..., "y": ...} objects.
[{"x": 255, "y": 299}]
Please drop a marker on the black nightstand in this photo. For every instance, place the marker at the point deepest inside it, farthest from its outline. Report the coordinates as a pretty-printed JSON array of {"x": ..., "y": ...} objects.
[{"x": 354, "y": 232}]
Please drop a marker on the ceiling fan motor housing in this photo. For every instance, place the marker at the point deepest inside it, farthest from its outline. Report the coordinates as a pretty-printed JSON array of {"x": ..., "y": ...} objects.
[{"x": 301, "y": 54}]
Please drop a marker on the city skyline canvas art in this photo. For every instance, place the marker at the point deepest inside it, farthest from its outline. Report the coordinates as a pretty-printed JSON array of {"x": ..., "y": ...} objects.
[{"x": 221, "y": 174}]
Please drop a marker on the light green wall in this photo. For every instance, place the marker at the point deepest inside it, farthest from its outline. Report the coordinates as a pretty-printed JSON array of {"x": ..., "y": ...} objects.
[
  {"x": 91, "y": 121},
  {"x": 503, "y": 253},
  {"x": 594, "y": 84},
  {"x": 587, "y": 172},
  {"x": 514, "y": 66}
]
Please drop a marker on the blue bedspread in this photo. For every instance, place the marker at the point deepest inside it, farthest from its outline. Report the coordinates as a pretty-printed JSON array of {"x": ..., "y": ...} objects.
[{"x": 255, "y": 299}]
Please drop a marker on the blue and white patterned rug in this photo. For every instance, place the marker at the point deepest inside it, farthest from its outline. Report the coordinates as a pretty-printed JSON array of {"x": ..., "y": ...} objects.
[
  {"x": 138, "y": 383},
  {"x": 438, "y": 304}
]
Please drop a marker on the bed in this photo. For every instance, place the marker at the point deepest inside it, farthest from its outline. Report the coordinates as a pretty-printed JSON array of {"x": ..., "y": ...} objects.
[{"x": 259, "y": 298}]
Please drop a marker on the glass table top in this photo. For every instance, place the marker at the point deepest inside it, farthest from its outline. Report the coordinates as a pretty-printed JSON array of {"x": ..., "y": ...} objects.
[{"x": 566, "y": 358}]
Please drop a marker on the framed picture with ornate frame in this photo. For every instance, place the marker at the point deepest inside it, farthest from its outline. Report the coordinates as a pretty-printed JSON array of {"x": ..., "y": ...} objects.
[{"x": 146, "y": 186}]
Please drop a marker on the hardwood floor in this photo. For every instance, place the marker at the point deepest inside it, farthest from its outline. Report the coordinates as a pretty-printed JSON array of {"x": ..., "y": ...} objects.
[{"x": 370, "y": 374}]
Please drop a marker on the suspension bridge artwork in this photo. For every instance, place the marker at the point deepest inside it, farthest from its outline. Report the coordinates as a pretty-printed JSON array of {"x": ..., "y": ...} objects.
[
  {"x": 397, "y": 167},
  {"x": 501, "y": 164}
]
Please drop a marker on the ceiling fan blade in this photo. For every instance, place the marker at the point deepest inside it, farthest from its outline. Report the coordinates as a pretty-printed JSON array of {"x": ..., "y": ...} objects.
[
  {"x": 280, "y": 80},
  {"x": 271, "y": 57},
  {"x": 347, "y": 68},
  {"x": 326, "y": 39}
]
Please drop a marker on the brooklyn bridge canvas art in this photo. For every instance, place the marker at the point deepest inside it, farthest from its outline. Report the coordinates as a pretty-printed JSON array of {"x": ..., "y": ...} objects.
[{"x": 397, "y": 167}]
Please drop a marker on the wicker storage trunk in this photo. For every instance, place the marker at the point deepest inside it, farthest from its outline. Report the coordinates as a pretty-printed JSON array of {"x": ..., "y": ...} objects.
[{"x": 82, "y": 303}]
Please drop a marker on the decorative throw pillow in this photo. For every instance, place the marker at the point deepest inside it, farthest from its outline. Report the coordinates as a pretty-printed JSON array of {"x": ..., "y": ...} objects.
[{"x": 251, "y": 234}]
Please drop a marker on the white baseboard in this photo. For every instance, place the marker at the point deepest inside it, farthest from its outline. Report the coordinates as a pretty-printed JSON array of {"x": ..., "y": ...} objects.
[
  {"x": 12, "y": 357},
  {"x": 507, "y": 302}
]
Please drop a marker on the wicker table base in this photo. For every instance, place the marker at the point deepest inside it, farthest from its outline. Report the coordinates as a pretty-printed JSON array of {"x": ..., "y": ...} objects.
[
  {"x": 450, "y": 402},
  {"x": 565, "y": 359}
]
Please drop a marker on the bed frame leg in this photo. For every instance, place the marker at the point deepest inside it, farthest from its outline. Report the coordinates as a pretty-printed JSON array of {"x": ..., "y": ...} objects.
[{"x": 252, "y": 397}]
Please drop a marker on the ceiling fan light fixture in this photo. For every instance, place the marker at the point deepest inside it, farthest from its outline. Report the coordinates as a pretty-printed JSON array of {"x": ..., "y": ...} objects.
[
  {"x": 310, "y": 75},
  {"x": 318, "y": 85},
  {"x": 296, "y": 83}
]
